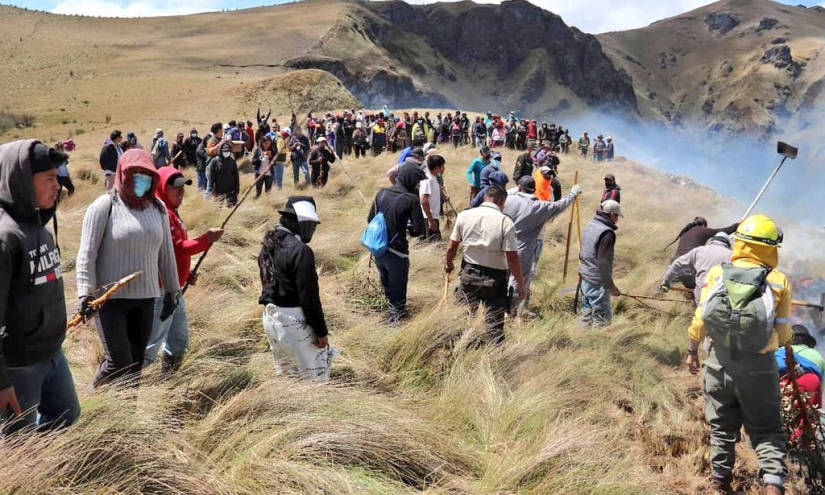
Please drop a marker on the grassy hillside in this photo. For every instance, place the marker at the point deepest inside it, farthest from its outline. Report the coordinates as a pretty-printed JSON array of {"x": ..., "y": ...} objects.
[
  {"x": 737, "y": 65},
  {"x": 410, "y": 409}
]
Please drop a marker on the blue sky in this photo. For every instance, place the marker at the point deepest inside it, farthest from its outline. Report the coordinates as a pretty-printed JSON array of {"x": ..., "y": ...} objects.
[{"x": 592, "y": 16}]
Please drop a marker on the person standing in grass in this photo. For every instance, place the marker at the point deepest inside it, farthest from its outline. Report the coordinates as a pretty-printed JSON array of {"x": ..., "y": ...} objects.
[
  {"x": 293, "y": 315},
  {"x": 429, "y": 193},
  {"x": 319, "y": 159},
  {"x": 475, "y": 168},
  {"x": 109, "y": 156},
  {"x": 529, "y": 216},
  {"x": 123, "y": 233},
  {"x": 298, "y": 152},
  {"x": 261, "y": 158},
  {"x": 745, "y": 309},
  {"x": 36, "y": 386},
  {"x": 596, "y": 266},
  {"x": 490, "y": 248},
  {"x": 172, "y": 335},
  {"x": 402, "y": 213}
]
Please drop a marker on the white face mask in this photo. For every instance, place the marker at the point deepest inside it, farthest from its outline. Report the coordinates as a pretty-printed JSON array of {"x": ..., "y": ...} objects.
[{"x": 226, "y": 154}]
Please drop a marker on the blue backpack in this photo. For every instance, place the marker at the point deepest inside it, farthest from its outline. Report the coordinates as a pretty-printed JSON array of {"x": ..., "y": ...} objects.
[{"x": 376, "y": 236}]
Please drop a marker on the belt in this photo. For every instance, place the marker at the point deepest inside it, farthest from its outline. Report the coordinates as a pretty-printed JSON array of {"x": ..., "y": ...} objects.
[{"x": 485, "y": 270}]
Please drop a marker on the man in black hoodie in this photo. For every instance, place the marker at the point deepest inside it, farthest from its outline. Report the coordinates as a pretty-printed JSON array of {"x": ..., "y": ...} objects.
[
  {"x": 34, "y": 375},
  {"x": 400, "y": 206}
]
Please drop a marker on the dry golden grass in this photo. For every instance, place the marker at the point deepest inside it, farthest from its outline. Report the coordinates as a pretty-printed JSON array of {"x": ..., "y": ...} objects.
[{"x": 410, "y": 409}]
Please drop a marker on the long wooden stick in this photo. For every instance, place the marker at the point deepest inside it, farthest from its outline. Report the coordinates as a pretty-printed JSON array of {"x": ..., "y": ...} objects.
[
  {"x": 95, "y": 304},
  {"x": 569, "y": 232},
  {"x": 260, "y": 177}
]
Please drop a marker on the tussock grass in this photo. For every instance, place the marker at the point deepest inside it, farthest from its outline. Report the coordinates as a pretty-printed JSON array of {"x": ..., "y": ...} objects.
[{"x": 410, "y": 409}]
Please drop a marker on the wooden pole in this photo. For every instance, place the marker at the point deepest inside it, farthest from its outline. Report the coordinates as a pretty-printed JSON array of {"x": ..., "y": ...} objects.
[{"x": 569, "y": 232}]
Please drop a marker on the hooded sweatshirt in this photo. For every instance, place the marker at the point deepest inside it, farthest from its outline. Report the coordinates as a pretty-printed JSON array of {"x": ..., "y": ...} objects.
[
  {"x": 747, "y": 254},
  {"x": 32, "y": 304},
  {"x": 699, "y": 261},
  {"x": 400, "y": 205},
  {"x": 117, "y": 240},
  {"x": 184, "y": 247}
]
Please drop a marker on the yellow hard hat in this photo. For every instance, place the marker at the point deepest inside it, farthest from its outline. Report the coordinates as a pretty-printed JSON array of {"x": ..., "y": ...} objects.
[{"x": 759, "y": 229}]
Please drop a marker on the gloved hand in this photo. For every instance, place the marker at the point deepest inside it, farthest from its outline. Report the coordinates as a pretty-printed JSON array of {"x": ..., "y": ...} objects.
[
  {"x": 84, "y": 308},
  {"x": 664, "y": 288},
  {"x": 170, "y": 302},
  {"x": 576, "y": 190}
]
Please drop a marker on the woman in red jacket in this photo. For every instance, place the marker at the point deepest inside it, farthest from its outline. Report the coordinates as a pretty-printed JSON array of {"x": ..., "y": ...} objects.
[{"x": 172, "y": 334}]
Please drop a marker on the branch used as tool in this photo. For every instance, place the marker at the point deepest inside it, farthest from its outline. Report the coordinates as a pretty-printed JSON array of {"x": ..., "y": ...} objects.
[
  {"x": 95, "y": 305},
  {"x": 807, "y": 429},
  {"x": 570, "y": 231},
  {"x": 260, "y": 177}
]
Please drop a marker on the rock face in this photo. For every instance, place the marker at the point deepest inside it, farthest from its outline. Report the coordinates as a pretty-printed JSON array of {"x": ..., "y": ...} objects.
[
  {"x": 445, "y": 55},
  {"x": 721, "y": 22}
]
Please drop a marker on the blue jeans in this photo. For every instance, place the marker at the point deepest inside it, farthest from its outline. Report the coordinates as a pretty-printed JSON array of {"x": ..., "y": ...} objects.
[
  {"x": 171, "y": 335},
  {"x": 202, "y": 180},
  {"x": 297, "y": 167},
  {"x": 394, "y": 271},
  {"x": 278, "y": 175},
  {"x": 43, "y": 389},
  {"x": 596, "y": 310}
]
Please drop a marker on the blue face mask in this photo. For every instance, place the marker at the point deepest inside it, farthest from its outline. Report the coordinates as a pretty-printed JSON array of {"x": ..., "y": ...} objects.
[
  {"x": 495, "y": 163},
  {"x": 143, "y": 183}
]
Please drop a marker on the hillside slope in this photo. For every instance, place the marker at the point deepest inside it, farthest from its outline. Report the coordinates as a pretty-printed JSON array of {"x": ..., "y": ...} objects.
[
  {"x": 412, "y": 409},
  {"x": 734, "y": 65}
]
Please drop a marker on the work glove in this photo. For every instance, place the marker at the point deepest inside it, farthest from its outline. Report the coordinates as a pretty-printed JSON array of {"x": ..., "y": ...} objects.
[
  {"x": 169, "y": 304},
  {"x": 576, "y": 190},
  {"x": 84, "y": 307},
  {"x": 664, "y": 288}
]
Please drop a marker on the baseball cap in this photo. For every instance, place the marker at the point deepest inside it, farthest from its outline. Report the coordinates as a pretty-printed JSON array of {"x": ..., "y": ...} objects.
[
  {"x": 321, "y": 139},
  {"x": 178, "y": 180},
  {"x": 545, "y": 170},
  {"x": 611, "y": 207},
  {"x": 527, "y": 183},
  {"x": 496, "y": 155}
]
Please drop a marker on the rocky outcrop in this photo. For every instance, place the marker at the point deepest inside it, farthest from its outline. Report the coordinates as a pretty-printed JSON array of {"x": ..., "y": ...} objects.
[
  {"x": 443, "y": 55},
  {"x": 721, "y": 22}
]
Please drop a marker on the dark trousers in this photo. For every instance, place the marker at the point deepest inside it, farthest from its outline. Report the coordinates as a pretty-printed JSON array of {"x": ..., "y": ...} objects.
[
  {"x": 320, "y": 174},
  {"x": 264, "y": 184},
  {"x": 46, "y": 388},
  {"x": 124, "y": 327},
  {"x": 394, "y": 271},
  {"x": 479, "y": 284}
]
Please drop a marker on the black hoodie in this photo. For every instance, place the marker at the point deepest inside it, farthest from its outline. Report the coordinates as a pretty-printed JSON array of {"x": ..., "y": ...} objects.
[
  {"x": 401, "y": 207},
  {"x": 32, "y": 303}
]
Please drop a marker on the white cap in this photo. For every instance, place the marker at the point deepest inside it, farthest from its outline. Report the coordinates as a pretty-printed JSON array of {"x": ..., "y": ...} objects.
[
  {"x": 611, "y": 207},
  {"x": 321, "y": 139}
]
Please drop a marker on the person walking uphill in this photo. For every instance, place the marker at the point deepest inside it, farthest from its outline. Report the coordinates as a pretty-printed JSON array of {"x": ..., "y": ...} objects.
[
  {"x": 172, "y": 335},
  {"x": 293, "y": 315},
  {"x": 611, "y": 189},
  {"x": 596, "y": 265},
  {"x": 35, "y": 381},
  {"x": 123, "y": 233},
  {"x": 401, "y": 207},
  {"x": 745, "y": 309},
  {"x": 490, "y": 249}
]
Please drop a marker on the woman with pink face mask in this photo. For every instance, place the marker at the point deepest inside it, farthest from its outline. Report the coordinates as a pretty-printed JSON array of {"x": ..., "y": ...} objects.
[{"x": 124, "y": 232}]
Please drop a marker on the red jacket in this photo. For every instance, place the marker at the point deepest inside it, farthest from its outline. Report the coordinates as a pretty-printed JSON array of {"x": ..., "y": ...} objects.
[
  {"x": 532, "y": 132},
  {"x": 185, "y": 248}
]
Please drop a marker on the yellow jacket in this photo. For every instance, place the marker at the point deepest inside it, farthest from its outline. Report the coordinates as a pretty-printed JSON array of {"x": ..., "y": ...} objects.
[{"x": 745, "y": 255}]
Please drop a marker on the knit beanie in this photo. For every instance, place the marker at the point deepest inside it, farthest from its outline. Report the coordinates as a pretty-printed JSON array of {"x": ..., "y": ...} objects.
[{"x": 43, "y": 158}]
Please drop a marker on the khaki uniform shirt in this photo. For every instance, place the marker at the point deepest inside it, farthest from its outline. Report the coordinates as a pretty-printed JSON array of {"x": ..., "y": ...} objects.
[{"x": 486, "y": 234}]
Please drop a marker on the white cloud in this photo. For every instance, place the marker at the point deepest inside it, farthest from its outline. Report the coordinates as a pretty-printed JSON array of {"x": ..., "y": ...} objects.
[{"x": 134, "y": 8}]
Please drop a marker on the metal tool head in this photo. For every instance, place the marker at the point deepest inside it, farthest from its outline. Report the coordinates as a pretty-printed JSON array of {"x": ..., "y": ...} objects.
[{"x": 786, "y": 150}]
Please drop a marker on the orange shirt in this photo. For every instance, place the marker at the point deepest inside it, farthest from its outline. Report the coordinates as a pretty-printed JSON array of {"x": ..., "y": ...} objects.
[{"x": 543, "y": 186}]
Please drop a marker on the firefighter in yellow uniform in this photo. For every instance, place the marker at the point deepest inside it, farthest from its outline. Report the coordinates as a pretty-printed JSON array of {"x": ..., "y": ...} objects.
[{"x": 745, "y": 309}]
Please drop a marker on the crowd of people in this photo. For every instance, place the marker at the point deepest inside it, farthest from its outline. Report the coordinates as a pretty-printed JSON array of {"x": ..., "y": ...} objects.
[{"x": 135, "y": 227}]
